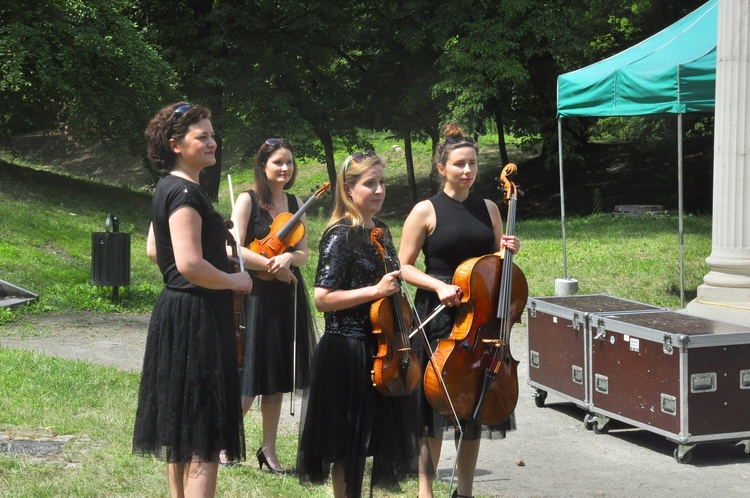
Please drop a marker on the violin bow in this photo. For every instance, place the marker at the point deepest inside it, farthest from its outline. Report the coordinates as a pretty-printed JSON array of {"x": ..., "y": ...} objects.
[
  {"x": 294, "y": 355},
  {"x": 420, "y": 328},
  {"x": 236, "y": 228},
  {"x": 426, "y": 342}
]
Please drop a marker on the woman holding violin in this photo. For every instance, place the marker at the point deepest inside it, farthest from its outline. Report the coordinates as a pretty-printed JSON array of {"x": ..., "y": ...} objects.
[
  {"x": 279, "y": 336},
  {"x": 346, "y": 418},
  {"x": 449, "y": 228}
]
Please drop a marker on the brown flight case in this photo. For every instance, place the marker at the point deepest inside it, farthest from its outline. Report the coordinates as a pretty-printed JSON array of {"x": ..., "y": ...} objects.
[
  {"x": 558, "y": 342},
  {"x": 681, "y": 376}
]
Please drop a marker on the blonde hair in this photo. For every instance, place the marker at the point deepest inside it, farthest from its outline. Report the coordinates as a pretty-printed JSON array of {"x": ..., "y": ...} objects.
[{"x": 343, "y": 206}]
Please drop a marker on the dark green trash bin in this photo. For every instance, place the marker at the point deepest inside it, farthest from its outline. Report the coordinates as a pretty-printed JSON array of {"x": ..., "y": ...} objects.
[{"x": 110, "y": 256}]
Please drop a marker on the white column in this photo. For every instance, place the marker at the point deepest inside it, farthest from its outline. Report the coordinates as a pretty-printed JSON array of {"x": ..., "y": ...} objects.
[{"x": 725, "y": 293}]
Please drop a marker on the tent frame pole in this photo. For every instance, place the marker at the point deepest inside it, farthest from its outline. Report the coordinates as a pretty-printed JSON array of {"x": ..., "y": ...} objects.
[
  {"x": 680, "y": 210},
  {"x": 562, "y": 198}
]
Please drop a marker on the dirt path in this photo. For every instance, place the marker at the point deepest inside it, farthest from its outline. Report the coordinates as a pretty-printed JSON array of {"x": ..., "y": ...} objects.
[
  {"x": 105, "y": 339},
  {"x": 551, "y": 453}
]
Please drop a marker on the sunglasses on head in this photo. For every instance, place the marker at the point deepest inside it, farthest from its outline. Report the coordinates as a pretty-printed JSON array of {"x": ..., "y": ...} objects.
[
  {"x": 358, "y": 157},
  {"x": 459, "y": 140},
  {"x": 275, "y": 141},
  {"x": 181, "y": 110}
]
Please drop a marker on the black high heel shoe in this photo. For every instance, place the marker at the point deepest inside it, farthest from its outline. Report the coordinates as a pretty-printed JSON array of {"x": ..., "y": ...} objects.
[
  {"x": 456, "y": 495},
  {"x": 262, "y": 460}
]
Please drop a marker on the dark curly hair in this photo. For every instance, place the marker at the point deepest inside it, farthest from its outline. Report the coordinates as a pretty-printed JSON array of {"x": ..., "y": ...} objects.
[{"x": 171, "y": 122}]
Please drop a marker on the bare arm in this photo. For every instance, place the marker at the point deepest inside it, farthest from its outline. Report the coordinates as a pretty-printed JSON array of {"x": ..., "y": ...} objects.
[
  {"x": 185, "y": 226},
  {"x": 338, "y": 299},
  {"x": 243, "y": 209},
  {"x": 151, "y": 244},
  {"x": 418, "y": 225}
]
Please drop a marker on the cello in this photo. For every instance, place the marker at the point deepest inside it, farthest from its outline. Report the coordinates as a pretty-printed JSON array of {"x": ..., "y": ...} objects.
[
  {"x": 395, "y": 368},
  {"x": 473, "y": 373}
]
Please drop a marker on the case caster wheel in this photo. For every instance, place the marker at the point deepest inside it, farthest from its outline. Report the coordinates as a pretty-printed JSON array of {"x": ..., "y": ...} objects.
[
  {"x": 600, "y": 429},
  {"x": 686, "y": 457},
  {"x": 601, "y": 426},
  {"x": 745, "y": 445},
  {"x": 539, "y": 398},
  {"x": 589, "y": 421}
]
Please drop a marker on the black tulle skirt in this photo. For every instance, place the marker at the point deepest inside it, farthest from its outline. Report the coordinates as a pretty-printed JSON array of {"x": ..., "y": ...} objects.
[
  {"x": 440, "y": 327},
  {"x": 345, "y": 418},
  {"x": 189, "y": 398},
  {"x": 270, "y": 337}
]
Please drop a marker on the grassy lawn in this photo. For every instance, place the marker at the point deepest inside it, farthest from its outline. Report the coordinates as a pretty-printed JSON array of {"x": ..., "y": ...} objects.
[{"x": 46, "y": 221}]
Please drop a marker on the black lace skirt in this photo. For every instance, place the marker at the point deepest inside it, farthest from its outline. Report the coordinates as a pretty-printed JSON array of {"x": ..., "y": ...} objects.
[
  {"x": 189, "y": 398},
  {"x": 345, "y": 418},
  {"x": 270, "y": 337}
]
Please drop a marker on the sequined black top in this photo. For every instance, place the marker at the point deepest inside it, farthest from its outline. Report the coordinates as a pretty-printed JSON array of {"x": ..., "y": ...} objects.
[{"x": 348, "y": 259}]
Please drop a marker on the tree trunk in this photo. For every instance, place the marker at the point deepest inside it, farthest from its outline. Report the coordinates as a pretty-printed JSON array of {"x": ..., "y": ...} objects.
[
  {"x": 325, "y": 138},
  {"x": 434, "y": 177},
  {"x": 501, "y": 145},
  {"x": 409, "y": 157}
]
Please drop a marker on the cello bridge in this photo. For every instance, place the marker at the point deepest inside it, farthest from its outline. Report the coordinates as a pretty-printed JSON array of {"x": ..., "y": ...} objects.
[{"x": 495, "y": 342}]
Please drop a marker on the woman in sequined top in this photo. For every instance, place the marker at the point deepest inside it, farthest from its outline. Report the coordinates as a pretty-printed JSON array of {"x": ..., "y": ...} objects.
[{"x": 346, "y": 419}]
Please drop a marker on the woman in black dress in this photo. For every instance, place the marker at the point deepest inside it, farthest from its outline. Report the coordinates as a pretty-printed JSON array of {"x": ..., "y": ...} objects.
[
  {"x": 280, "y": 334},
  {"x": 346, "y": 419},
  {"x": 189, "y": 399},
  {"x": 449, "y": 228}
]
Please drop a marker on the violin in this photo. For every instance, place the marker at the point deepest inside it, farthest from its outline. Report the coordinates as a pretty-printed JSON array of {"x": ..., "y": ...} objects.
[
  {"x": 286, "y": 229},
  {"x": 237, "y": 302},
  {"x": 395, "y": 369},
  {"x": 472, "y": 375}
]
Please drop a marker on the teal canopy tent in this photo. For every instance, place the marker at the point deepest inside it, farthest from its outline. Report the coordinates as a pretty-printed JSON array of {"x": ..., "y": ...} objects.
[{"x": 672, "y": 72}]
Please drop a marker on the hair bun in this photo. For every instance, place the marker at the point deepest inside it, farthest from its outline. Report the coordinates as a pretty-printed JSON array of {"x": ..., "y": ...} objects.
[{"x": 453, "y": 130}]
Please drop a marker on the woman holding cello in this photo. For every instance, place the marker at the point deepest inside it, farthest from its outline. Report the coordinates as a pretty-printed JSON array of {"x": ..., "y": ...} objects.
[
  {"x": 452, "y": 226},
  {"x": 346, "y": 418},
  {"x": 279, "y": 336}
]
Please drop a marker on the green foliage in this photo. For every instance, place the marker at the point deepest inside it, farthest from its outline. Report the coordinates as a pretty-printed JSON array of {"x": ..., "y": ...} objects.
[
  {"x": 80, "y": 66},
  {"x": 628, "y": 129}
]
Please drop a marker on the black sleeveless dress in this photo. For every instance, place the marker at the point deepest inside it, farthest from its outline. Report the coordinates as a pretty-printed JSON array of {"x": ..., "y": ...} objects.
[
  {"x": 189, "y": 397},
  {"x": 463, "y": 230},
  {"x": 345, "y": 417},
  {"x": 270, "y": 320}
]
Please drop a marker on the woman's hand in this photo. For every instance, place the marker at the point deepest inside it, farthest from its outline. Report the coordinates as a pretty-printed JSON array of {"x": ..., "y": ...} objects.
[
  {"x": 511, "y": 242},
  {"x": 241, "y": 282},
  {"x": 449, "y": 295},
  {"x": 281, "y": 267},
  {"x": 389, "y": 284}
]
